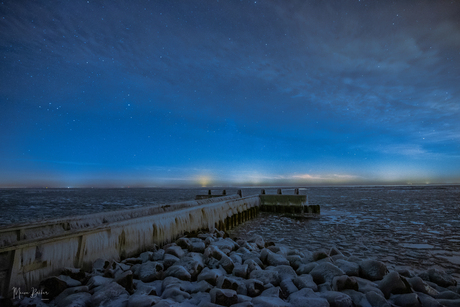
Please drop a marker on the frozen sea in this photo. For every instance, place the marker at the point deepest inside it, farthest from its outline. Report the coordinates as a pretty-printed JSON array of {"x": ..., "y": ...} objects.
[{"x": 405, "y": 226}]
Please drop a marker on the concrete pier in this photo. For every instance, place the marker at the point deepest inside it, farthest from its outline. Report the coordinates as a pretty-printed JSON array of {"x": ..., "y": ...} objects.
[{"x": 31, "y": 252}]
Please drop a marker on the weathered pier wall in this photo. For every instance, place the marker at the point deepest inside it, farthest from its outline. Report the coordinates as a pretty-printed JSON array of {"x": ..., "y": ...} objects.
[
  {"x": 30, "y": 253},
  {"x": 292, "y": 204}
]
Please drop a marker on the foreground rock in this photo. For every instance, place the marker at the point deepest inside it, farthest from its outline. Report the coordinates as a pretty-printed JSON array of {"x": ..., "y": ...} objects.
[{"x": 210, "y": 270}]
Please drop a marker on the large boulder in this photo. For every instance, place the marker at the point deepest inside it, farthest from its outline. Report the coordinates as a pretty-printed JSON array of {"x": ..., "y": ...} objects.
[
  {"x": 350, "y": 268},
  {"x": 376, "y": 299},
  {"x": 284, "y": 271},
  {"x": 305, "y": 281},
  {"x": 306, "y": 268},
  {"x": 111, "y": 294},
  {"x": 52, "y": 287},
  {"x": 193, "y": 263},
  {"x": 307, "y": 298},
  {"x": 241, "y": 270},
  {"x": 223, "y": 297},
  {"x": 393, "y": 283},
  {"x": 266, "y": 276},
  {"x": 441, "y": 278},
  {"x": 288, "y": 286},
  {"x": 138, "y": 300},
  {"x": 344, "y": 282},
  {"x": 372, "y": 269},
  {"x": 267, "y": 301},
  {"x": 406, "y": 300},
  {"x": 179, "y": 272},
  {"x": 254, "y": 287},
  {"x": 210, "y": 275},
  {"x": 420, "y": 286},
  {"x": 175, "y": 251},
  {"x": 337, "y": 299},
  {"x": 325, "y": 272},
  {"x": 150, "y": 271}
]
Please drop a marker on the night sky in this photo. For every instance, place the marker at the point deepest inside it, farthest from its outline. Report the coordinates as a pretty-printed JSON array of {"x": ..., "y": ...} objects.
[{"x": 229, "y": 93}]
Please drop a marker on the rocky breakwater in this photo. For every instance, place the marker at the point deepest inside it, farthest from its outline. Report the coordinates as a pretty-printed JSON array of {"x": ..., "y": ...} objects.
[{"x": 210, "y": 269}]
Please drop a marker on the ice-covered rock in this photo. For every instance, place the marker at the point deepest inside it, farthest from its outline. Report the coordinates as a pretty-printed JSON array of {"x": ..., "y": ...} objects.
[
  {"x": 428, "y": 301},
  {"x": 376, "y": 299},
  {"x": 266, "y": 301},
  {"x": 53, "y": 286},
  {"x": 150, "y": 271},
  {"x": 69, "y": 281},
  {"x": 321, "y": 254},
  {"x": 126, "y": 281},
  {"x": 284, "y": 271},
  {"x": 193, "y": 263},
  {"x": 288, "y": 286},
  {"x": 365, "y": 285},
  {"x": 197, "y": 246},
  {"x": 61, "y": 300},
  {"x": 448, "y": 295},
  {"x": 146, "y": 256},
  {"x": 241, "y": 270},
  {"x": 270, "y": 258},
  {"x": 306, "y": 268},
  {"x": 175, "y": 293},
  {"x": 337, "y": 299},
  {"x": 97, "y": 281},
  {"x": 254, "y": 287},
  {"x": 305, "y": 281},
  {"x": 325, "y": 272},
  {"x": 372, "y": 269},
  {"x": 441, "y": 278},
  {"x": 265, "y": 276},
  {"x": 350, "y": 268},
  {"x": 252, "y": 265},
  {"x": 175, "y": 250},
  {"x": 210, "y": 275},
  {"x": 258, "y": 240},
  {"x": 179, "y": 272},
  {"x": 74, "y": 273},
  {"x": 158, "y": 255},
  {"x": 75, "y": 299},
  {"x": 358, "y": 298},
  {"x": 420, "y": 286},
  {"x": 111, "y": 294},
  {"x": 223, "y": 297},
  {"x": 344, "y": 282},
  {"x": 169, "y": 260},
  {"x": 295, "y": 261},
  {"x": 138, "y": 300},
  {"x": 307, "y": 298},
  {"x": 226, "y": 263},
  {"x": 406, "y": 300},
  {"x": 392, "y": 283},
  {"x": 449, "y": 303}
]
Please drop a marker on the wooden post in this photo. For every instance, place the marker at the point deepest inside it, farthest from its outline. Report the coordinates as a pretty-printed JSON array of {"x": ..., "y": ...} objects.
[
  {"x": 296, "y": 191},
  {"x": 224, "y": 192},
  {"x": 239, "y": 193},
  {"x": 262, "y": 191},
  {"x": 278, "y": 192},
  {"x": 209, "y": 192}
]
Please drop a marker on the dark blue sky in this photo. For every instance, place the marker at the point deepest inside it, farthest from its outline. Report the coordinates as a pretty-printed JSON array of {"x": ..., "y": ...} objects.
[{"x": 176, "y": 93}]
